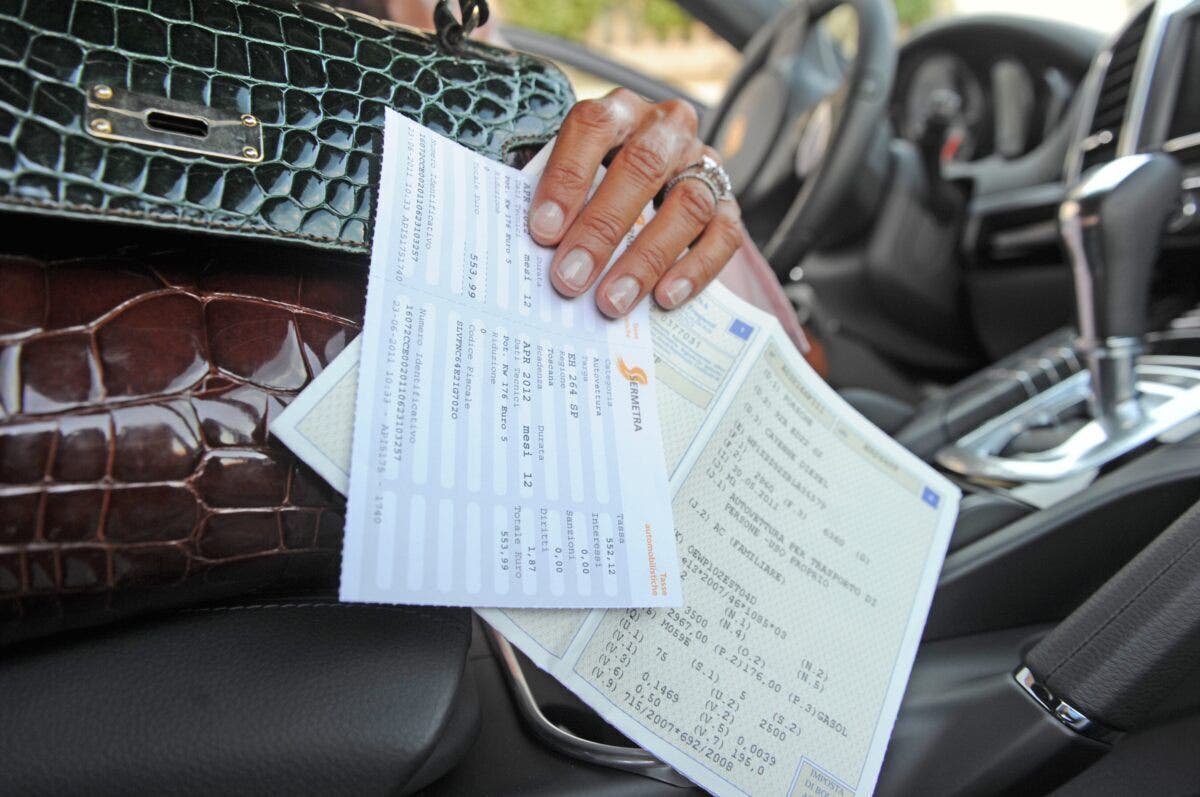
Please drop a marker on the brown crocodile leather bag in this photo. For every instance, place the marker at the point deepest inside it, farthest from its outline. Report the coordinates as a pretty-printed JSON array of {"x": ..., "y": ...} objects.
[{"x": 186, "y": 193}]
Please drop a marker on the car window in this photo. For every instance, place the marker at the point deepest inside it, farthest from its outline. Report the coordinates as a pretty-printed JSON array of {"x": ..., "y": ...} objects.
[
  {"x": 1103, "y": 15},
  {"x": 659, "y": 38},
  {"x": 656, "y": 37}
]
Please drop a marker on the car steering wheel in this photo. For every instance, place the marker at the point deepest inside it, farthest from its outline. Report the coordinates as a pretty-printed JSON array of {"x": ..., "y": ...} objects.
[{"x": 793, "y": 113}]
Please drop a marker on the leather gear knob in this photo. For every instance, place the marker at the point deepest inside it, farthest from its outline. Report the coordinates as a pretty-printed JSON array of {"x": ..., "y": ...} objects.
[{"x": 1112, "y": 224}]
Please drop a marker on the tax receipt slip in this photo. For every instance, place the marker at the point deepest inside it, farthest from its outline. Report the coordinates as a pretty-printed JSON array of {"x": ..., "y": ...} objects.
[
  {"x": 506, "y": 444},
  {"x": 810, "y": 546}
]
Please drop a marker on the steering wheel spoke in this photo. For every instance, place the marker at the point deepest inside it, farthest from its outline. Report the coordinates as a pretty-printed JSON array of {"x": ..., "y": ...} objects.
[{"x": 784, "y": 38}]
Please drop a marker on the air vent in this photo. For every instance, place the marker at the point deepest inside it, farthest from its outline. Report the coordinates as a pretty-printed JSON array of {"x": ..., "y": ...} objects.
[
  {"x": 1189, "y": 159},
  {"x": 1112, "y": 102},
  {"x": 1189, "y": 155}
]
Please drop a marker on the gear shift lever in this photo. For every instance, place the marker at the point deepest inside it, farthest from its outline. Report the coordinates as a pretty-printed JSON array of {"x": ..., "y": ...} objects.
[{"x": 1112, "y": 223}]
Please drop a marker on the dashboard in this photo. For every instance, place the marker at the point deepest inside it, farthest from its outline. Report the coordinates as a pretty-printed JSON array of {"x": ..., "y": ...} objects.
[
  {"x": 1033, "y": 104},
  {"x": 1001, "y": 84}
]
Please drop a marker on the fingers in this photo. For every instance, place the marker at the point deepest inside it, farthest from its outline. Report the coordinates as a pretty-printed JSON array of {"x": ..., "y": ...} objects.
[
  {"x": 654, "y": 153},
  {"x": 704, "y": 261},
  {"x": 686, "y": 211},
  {"x": 653, "y": 143},
  {"x": 590, "y": 131}
]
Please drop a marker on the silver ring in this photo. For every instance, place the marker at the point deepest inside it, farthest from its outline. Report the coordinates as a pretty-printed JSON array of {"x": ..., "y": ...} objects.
[{"x": 709, "y": 172}]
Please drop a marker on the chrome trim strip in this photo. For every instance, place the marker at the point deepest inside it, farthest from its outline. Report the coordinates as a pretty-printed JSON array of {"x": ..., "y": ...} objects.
[
  {"x": 1114, "y": 381},
  {"x": 1143, "y": 75},
  {"x": 629, "y": 759},
  {"x": 1171, "y": 360},
  {"x": 1061, "y": 710},
  {"x": 1090, "y": 92},
  {"x": 1129, "y": 137},
  {"x": 1168, "y": 396}
]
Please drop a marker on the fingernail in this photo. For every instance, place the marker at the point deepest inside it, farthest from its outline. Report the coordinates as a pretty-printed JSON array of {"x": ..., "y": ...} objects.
[
  {"x": 575, "y": 268},
  {"x": 622, "y": 293},
  {"x": 546, "y": 221},
  {"x": 678, "y": 291}
]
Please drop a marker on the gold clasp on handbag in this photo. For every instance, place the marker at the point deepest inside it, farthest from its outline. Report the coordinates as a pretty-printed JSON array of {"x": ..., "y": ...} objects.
[{"x": 119, "y": 115}]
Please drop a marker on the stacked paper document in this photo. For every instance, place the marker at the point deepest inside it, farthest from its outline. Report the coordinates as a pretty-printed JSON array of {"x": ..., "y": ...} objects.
[{"x": 751, "y": 560}]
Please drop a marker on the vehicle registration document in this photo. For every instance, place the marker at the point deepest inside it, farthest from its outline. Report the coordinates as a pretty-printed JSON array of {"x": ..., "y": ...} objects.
[{"x": 809, "y": 542}]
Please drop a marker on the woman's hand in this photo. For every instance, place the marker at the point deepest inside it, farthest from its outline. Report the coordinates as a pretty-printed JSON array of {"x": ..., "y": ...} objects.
[{"x": 656, "y": 142}]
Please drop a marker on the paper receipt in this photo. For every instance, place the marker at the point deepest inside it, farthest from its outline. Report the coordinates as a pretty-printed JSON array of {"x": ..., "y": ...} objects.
[{"x": 506, "y": 447}]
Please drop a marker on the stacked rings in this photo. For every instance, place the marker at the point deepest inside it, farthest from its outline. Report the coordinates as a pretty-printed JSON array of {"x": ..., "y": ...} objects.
[{"x": 709, "y": 172}]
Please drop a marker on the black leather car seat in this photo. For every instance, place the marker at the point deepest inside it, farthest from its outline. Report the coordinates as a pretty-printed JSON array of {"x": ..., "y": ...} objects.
[{"x": 300, "y": 697}]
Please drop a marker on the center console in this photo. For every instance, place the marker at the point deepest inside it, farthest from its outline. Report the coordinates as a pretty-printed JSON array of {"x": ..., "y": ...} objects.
[
  {"x": 1075, "y": 451},
  {"x": 1111, "y": 224}
]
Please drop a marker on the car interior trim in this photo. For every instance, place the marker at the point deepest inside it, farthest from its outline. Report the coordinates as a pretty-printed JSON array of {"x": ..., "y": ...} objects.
[
  {"x": 629, "y": 759},
  {"x": 1084, "y": 140},
  {"x": 1170, "y": 396},
  {"x": 1061, "y": 710},
  {"x": 1182, "y": 142},
  {"x": 1143, "y": 76}
]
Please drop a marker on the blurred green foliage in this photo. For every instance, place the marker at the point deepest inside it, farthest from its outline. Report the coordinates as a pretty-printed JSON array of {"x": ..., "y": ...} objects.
[
  {"x": 664, "y": 17},
  {"x": 571, "y": 19},
  {"x": 914, "y": 12}
]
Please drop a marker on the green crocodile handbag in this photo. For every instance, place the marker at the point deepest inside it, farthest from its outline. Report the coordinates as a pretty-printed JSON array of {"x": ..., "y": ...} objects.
[
  {"x": 260, "y": 118},
  {"x": 187, "y": 189}
]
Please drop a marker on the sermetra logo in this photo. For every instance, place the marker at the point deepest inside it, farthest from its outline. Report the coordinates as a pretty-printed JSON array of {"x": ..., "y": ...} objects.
[
  {"x": 637, "y": 379},
  {"x": 634, "y": 374}
]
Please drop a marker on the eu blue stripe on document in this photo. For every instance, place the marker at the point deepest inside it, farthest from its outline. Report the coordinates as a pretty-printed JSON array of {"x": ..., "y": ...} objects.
[
  {"x": 931, "y": 498},
  {"x": 741, "y": 329}
]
